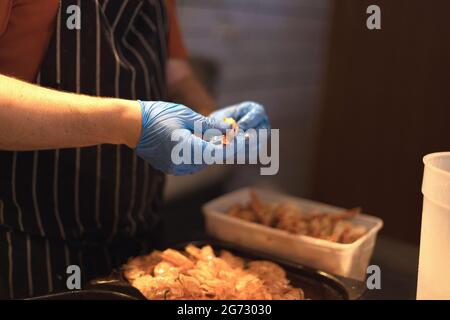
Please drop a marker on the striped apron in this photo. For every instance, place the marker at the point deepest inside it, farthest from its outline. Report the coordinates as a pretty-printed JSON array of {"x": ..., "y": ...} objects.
[{"x": 92, "y": 207}]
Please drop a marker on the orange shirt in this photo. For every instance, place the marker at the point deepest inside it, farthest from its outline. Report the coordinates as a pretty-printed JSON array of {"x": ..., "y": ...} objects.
[{"x": 26, "y": 27}]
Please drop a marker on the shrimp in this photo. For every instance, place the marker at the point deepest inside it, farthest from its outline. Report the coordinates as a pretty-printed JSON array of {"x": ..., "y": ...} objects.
[
  {"x": 288, "y": 217},
  {"x": 203, "y": 275},
  {"x": 177, "y": 259},
  {"x": 230, "y": 134}
]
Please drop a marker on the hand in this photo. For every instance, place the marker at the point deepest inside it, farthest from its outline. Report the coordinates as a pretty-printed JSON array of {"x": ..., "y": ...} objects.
[
  {"x": 159, "y": 122},
  {"x": 249, "y": 115}
]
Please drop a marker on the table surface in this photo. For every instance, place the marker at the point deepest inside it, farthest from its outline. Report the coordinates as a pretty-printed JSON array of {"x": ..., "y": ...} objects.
[{"x": 398, "y": 261}]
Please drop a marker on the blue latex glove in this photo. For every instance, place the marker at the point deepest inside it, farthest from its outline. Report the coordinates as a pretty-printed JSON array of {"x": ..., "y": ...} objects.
[
  {"x": 249, "y": 115},
  {"x": 159, "y": 120}
]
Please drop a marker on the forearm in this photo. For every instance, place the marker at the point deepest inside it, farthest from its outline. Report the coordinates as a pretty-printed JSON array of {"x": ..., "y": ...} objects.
[
  {"x": 33, "y": 118},
  {"x": 185, "y": 88}
]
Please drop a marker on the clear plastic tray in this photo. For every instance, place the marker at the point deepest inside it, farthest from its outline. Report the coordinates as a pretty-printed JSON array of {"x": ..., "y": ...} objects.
[{"x": 348, "y": 260}]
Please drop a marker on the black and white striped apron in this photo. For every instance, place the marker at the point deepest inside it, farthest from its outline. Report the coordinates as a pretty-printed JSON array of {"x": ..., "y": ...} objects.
[{"x": 94, "y": 206}]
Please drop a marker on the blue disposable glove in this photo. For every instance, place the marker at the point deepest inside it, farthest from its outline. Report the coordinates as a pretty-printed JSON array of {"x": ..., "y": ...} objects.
[
  {"x": 159, "y": 121},
  {"x": 249, "y": 115}
]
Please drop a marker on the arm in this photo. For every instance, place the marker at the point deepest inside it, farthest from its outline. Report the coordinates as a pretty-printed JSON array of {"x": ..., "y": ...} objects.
[
  {"x": 32, "y": 118},
  {"x": 185, "y": 88}
]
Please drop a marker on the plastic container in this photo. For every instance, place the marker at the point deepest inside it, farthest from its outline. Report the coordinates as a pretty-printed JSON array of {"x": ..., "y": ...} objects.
[
  {"x": 348, "y": 260},
  {"x": 434, "y": 258}
]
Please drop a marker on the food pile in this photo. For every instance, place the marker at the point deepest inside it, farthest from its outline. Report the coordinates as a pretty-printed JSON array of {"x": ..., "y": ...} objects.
[
  {"x": 197, "y": 273},
  {"x": 288, "y": 217}
]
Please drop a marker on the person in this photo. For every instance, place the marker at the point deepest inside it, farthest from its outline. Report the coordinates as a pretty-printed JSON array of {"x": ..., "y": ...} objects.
[{"x": 85, "y": 136}]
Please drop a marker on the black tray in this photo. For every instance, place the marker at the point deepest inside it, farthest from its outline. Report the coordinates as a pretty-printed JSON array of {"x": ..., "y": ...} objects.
[{"x": 317, "y": 285}]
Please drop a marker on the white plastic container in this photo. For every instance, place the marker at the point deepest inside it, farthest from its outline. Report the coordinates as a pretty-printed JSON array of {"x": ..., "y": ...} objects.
[
  {"x": 349, "y": 260},
  {"x": 434, "y": 259}
]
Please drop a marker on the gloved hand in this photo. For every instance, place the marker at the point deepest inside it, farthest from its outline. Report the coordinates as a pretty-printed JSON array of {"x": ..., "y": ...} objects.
[
  {"x": 159, "y": 121},
  {"x": 249, "y": 115}
]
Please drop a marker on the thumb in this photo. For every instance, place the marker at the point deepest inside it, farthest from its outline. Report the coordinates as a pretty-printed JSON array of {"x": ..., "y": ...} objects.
[{"x": 211, "y": 126}]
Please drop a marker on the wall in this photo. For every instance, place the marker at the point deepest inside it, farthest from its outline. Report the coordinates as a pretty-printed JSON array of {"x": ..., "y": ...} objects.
[
  {"x": 385, "y": 105},
  {"x": 270, "y": 51}
]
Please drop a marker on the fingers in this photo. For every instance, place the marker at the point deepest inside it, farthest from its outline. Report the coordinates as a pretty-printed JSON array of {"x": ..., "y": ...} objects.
[
  {"x": 248, "y": 115},
  {"x": 264, "y": 124},
  {"x": 251, "y": 114},
  {"x": 227, "y": 112},
  {"x": 215, "y": 123},
  {"x": 193, "y": 154}
]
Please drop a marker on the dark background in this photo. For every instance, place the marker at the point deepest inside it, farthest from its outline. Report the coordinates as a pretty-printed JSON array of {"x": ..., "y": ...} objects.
[
  {"x": 385, "y": 105},
  {"x": 357, "y": 109}
]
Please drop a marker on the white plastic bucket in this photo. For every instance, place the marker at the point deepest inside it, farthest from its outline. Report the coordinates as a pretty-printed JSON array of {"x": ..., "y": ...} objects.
[{"x": 434, "y": 259}]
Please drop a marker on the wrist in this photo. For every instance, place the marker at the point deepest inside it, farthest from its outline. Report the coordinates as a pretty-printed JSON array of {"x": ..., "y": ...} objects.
[{"x": 129, "y": 124}]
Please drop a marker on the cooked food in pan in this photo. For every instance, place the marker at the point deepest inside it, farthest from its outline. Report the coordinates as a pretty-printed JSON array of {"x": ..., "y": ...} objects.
[
  {"x": 197, "y": 273},
  {"x": 286, "y": 216}
]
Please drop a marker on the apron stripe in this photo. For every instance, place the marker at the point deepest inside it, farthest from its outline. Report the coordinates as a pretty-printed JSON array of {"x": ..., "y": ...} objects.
[
  {"x": 80, "y": 260},
  {"x": 149, "y": 22},
  {"x": 105, "y": 4},
  {"x": 98, "y": 168},
  {"x": 67, "y": 255},
  {"x": 58, "y": 47},
  {"x": 144, "y": 194},
  {"x": 33, "y": 182},
  {"x": 161, "y": 46},
  {"x": 136, "y": 54},
  {"x": 33, "y": 187},
  {"x": 49, "y": 266},
  {"x": 13, "y": 192},
  {"x": 133, "y": 195},
  {"x": 142, "y": 63},
  {"x": 78, "y": 150},
  {"x": 116, "y": 195},
  {"x": 97, "y": 50},
  {"x": 55, "y": 195},
  {"x": 98, "y": 172},
  {"x": 149, "y": 50},
  {"x": 10, "y": 265},
  {"x": 56, "y": 163},
  {"x": 29, "y": 267},
  {"x": 78, "y": 57},
  {"x": 77, "y": 190},
  {"x": 117, "y": 94},
  {"x": 134, "y": 97}
]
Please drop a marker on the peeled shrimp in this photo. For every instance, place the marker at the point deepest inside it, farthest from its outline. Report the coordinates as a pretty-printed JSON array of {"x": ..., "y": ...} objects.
[
  {"x": 198, "y": 273},
  {"x": 288, "y": 217}
]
